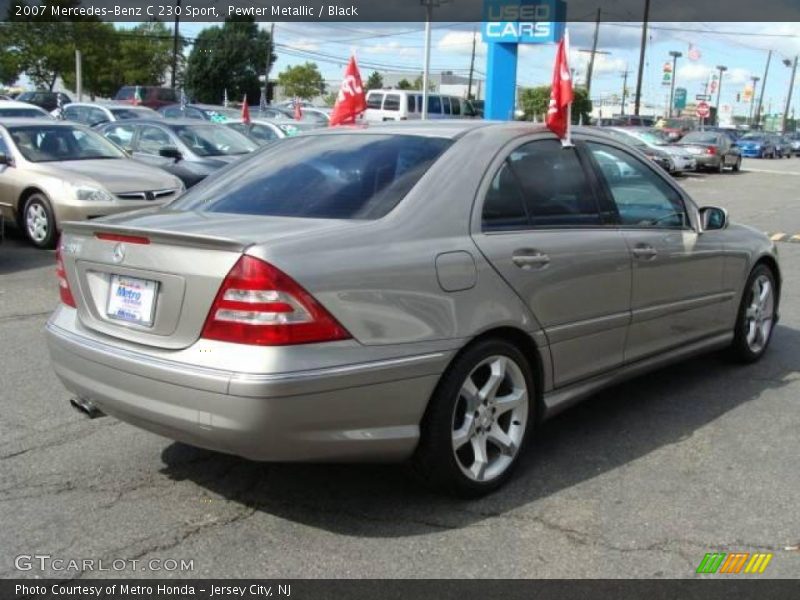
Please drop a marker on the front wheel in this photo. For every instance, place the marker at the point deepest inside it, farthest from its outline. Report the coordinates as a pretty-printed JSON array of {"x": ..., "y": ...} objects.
[
  {"x": 476, "y": 423},
  {"x": 738, "y": 164},
  {"x": 756, "y": 317},
  {"x": 39, "y": 221}
]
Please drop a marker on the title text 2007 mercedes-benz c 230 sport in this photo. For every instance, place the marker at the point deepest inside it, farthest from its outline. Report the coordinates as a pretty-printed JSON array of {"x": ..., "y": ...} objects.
[{"x": 410, "y": 291}]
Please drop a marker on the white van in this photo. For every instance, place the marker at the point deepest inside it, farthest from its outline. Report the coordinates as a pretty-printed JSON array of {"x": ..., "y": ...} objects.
[{"x": 400, "y": 105}]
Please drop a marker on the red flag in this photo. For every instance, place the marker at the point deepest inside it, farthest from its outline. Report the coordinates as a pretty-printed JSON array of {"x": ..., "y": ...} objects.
[
  {"x": 298, "y": 110},
  {"x": 245, "y": 111},
  {"x": 560, "y": 93},
  {"x": 351, "y": 100}
]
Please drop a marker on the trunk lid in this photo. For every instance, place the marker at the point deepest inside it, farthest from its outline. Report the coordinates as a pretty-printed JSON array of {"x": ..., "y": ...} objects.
[{"x": 151, "y": 277}]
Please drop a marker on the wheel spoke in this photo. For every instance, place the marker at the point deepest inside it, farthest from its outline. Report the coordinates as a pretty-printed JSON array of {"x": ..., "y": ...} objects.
[
  {"x": 750, "y": 313},
  {"x": 470, "y": 393},
  {"x": 463, "y": 434},
  {"x": 478, "y": 468},
  {"x": 510, "y": 401},
  {"x": 498, "y": 374},
  {"x": 766, "y": 290},
  {"x": 751, "y": 332},
  {"x": 500, "y": 438}
]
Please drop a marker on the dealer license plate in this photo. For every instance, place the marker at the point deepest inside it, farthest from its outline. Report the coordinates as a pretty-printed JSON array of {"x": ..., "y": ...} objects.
[{"x": 132, "y": 300}]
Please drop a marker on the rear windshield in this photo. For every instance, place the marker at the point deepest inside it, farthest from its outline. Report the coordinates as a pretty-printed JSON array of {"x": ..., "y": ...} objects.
[
  {"x": 23, "y": 112},
  {"x": 134, "y": 113},
  {"x": 341, "y": 176}
]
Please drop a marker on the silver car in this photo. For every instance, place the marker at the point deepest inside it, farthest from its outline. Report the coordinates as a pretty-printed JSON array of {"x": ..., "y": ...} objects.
[
  {"x": 54, "y": 171},
  {"x": 413, "y": 291}
]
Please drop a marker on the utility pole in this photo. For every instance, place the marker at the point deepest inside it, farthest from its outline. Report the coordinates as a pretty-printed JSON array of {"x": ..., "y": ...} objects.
[
  {"x": 640, "y": 75},
  {"x": 675, "y": 56},
  {"x": 763, "y": 87},
  {"x": 426, "y": 70},
  {"x": 268, "y": 63},
  {"x": 789, "y": 96},
  {"x": 721, "y": 69},
  {"x": 624, "y": 89},
  {"x": 590, "y": 68},
  {"x": 79, "y": 76},
  {"x": 471, "y": 64},
  {"x": 175, "y": 44},
  {"x": 755, "y": 81}
]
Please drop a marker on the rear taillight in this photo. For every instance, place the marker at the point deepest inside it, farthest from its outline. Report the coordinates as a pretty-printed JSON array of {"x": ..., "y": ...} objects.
[
  {"x": 711, "y": 150},
  {"x": 63, "y": 284},
  {"x": 260, "y": 305}
]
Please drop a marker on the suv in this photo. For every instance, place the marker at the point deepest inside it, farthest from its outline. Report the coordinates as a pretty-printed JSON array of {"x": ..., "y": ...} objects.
[
  {"x": 44, "y": 99},
  {"x": 150, "y": 96}
]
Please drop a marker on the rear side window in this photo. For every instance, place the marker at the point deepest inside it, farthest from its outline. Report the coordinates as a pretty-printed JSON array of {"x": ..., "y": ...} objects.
[
  {"x": 166, "y": 95},
  {"x": 412, "y": 103},
  {"x": 446, "y": 105},
  {"x": 339, "y": 176},
  {"x": 392, "y": 102},
  {"x": 552, "y": 185},
  {"x": 374, "y": 100},
  {"x": 125, "y": 93},
  {"x": 435, "y": 105},
  {"x": 456, "y": 106}
]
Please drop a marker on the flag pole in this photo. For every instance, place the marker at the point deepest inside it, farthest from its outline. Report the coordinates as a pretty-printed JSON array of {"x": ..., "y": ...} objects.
[{"x": 567, "y": 141}]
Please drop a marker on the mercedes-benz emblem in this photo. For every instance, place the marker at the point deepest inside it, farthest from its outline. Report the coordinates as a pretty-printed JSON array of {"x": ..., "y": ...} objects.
[{"x": 119, "y": 253}]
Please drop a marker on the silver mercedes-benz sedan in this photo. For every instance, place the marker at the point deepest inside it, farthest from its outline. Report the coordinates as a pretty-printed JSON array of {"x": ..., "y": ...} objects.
[{"x": 422, "y": 291}]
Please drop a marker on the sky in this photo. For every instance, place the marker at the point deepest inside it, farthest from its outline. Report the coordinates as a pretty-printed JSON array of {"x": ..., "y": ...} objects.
[{"x": 742, "y": 47}]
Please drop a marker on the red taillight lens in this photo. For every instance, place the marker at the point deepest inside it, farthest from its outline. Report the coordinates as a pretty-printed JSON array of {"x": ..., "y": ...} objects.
[
  {"x": 63, "y": 284},
  {"x": 711, "y": 150},
  {"x": 260, "y": 305}
]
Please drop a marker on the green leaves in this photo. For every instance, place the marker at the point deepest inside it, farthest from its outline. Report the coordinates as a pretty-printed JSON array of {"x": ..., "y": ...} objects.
[
  {"x": 534, "y": 102},
  {"x": 304, "y": 81}
]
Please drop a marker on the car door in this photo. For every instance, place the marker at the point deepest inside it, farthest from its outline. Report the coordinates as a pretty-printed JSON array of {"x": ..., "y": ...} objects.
[
  {"x": 542, "y": 229},
  {"x": 677, "y": 292},
  {"x": 149, "y": 142}
]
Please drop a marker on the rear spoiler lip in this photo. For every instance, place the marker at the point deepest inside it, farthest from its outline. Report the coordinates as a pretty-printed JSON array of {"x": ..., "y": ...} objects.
[{"x": 157, "y": 235}]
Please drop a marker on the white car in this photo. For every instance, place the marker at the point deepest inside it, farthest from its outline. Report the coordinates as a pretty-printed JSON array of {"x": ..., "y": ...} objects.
[{"x": 13, "y": 109}]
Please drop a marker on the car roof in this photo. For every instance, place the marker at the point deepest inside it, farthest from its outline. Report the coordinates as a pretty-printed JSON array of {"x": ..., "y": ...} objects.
[
  {"x": 17, "y": 104},
  {"x": 169, "y": 123},
  {"x": 25, "y": 121}
]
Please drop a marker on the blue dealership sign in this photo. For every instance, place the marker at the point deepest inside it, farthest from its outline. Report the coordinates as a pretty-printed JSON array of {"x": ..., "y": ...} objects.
[{"x": 523, "y": 21}]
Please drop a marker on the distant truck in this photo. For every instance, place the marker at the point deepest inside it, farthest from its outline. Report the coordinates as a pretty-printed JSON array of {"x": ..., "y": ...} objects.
[{"x": 149, "y": 95}]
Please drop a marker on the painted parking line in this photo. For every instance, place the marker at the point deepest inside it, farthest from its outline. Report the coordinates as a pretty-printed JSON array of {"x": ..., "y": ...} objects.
[
  {"x": 784, "y": 237},
  {"x": 770, "y": 171}
]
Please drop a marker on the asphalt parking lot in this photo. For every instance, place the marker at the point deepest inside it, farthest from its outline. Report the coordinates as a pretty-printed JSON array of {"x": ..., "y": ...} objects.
[{"x": 640, "y": 481}]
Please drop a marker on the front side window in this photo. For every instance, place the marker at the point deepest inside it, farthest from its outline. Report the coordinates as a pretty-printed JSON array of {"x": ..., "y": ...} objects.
[
  {"x": 446, "y": 105},
  {"x": 213, "y": 140},
  {"x": 374, "y": 100},
  {"x": 338, "y": 176},
  {"x": 392, "y": 102},
  {"x": 121, "y": 135},
  {"x": 152, "y": 139},
  {"x": 56, "y": 143},
  {"x": 262, "y": 133},
  {"x": 643, "y": 199},
  {"x": 435, "y": 105}
]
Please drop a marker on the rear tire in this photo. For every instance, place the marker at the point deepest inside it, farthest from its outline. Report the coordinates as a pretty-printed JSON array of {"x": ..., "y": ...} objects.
[
  {"x": 477, "y": 422},
  {"x": 755, "y": 320},
  {"x": 738, "y": 165},
  {"x": 38, "y": 221}
]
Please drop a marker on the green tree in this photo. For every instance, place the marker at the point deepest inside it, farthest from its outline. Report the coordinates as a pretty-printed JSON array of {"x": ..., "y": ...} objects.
[
  {"x": 418, "y": 84},
  {"x": 304, "y": 81},
  {"x": 374, "y": 81},
  {"x": 534, "y": 101},
  {"x": 229, "y": 57},
  {"x": 404, "y": 84}
]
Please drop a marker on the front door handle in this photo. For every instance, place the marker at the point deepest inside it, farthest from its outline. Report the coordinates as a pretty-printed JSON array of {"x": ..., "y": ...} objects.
[
  {"x": 645, "y": 252},
  {"x": 530, "y": 259}
]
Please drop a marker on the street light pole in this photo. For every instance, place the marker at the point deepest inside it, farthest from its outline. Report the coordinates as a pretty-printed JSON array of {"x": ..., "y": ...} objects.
[
  {"x": 425, "y": 73},
  {"x": 642, "y": 47},
  {"x": 789, "y": 94},
  {"x": 175, "y": 39},
  {"x": 675, "y": 56},
  {"x": 763, "y": 87}
]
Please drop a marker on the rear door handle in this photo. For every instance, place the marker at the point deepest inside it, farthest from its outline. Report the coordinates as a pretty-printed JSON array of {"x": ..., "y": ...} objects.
[
  {"x": 645, "y": 252},
  {"x": 530, "y": 259}
]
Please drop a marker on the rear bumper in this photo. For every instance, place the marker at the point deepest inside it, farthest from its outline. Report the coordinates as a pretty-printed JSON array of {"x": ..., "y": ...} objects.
[{"x": 365, "y": 411}]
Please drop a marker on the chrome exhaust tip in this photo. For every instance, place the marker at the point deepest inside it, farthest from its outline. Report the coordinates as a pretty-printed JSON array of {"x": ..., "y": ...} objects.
[{"x": 86, "y": 407}]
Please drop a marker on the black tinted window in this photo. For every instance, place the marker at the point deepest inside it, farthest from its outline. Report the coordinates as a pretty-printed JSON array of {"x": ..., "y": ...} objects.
[
  {"x": 456, "y": 105},
  {"x": 503, "y": 208},
  {"x": 374, "y": 100},
  {"x": 392, "y": 102},
  {"x": 446, "y": 105},
  {"x": 435, "y": 105},
  {"x": 554, "y": 185},
  {"x": 341, "y": 176}
]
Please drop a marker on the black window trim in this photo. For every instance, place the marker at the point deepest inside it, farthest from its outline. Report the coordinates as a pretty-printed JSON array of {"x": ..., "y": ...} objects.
[
  {"x": 591, "y": 180},
  {"x": 608, "y": 197}
]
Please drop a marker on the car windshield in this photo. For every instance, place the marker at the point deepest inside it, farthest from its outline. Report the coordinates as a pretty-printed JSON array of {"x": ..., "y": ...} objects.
[
  {"x": 214, "y": 140},
  {"x": 700, "y": 138},
  {"x": 752, "y": 137},
  {"x": 648, "y": 137},
  {"x": 134, "y": 113},
  {"x": 220, "y": 115},
  {"x": 43, "y": 143},
  {"x": 23, "y": 112},
  {"x": 339, "y": 176}
]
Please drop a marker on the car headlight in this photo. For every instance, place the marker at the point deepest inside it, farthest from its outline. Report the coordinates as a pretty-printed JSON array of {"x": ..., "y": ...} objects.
[{"x": 89, "y": 193}]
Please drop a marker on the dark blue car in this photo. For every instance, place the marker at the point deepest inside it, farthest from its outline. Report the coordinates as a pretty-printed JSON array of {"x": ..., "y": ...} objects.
[{"x": 757, "y": 145}]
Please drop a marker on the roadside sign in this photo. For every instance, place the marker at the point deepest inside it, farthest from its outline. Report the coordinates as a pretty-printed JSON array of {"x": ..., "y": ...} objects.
[
  {"x": 703, "y": 110},
  {"x": 680, "y": 98},
  {"x": 705, "y": 97}
]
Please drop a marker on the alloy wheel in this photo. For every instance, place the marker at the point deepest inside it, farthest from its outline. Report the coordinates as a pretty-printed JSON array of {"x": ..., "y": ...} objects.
[
  {"x": 490, "y": 418},
  {"x": 36, "y": 222},
  {"x": 759, "y": 315}
]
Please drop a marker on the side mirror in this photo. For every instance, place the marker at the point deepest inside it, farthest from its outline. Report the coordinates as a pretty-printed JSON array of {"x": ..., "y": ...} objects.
[
  {"x": 5, "y": 160},
  {"x": 712, "y": 218},
  {"x": 170, "y": 152}
]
